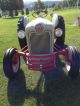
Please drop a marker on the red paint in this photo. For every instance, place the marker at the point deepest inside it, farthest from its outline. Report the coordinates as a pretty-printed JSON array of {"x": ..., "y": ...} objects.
[{"x": 44, "y": 62}]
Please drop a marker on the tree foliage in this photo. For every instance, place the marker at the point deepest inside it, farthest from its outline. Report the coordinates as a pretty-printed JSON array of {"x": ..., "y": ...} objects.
[
  {"x": 58, "y": 6},
  {"x": 71, "y": 3},
  {"x": 39, "y": 5},
  {"x": 11, "y": 4},
  {"x": 4, "y": 5}
]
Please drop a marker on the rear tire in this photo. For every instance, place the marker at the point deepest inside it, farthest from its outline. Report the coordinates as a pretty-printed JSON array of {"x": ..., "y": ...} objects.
[
  {"x": 72, "y": 64},
  {"x": 60, "y": 40},
  {"x": 23, "y": 41},
  {"x": 11, "y": 63}
]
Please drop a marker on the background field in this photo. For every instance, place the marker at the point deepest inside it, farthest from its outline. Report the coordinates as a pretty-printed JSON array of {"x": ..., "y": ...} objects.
[{"x": 24, "y": 90}]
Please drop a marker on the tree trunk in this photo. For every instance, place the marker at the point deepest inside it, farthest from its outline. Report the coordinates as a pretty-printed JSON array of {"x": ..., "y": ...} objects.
[{"x": 11, "y": 13}]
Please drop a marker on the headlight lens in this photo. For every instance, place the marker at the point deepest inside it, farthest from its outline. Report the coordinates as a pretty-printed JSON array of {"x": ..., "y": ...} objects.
[
  {"x": 58, "y": 32},
  {"x": 21, "y": 34}
]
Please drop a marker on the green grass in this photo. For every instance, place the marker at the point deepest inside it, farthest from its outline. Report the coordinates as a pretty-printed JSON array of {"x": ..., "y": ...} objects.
[{"x": 24, "y": 90}]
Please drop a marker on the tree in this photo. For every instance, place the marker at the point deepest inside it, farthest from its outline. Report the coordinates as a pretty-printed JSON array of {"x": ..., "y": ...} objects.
[
  {"x": 39, "y": 5},
  {"x": 4, "y": 5},
  {"x": 22, "y": 12},
  {"x": 0, "y": 3},
  {"x": 19, "y": 4},
  {"x": 11, "y": 5},
  {"x": 72, "y": 3},
  {"x": 58, "y": 6},
  {"x": 27, "y": 11},
  {"x": 16, "y": 13}
]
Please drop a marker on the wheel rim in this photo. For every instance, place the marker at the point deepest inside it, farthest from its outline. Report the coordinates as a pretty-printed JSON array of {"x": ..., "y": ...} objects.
[
  {"x": 68, "y": 66},
  {"x": 15, "y": 64}
]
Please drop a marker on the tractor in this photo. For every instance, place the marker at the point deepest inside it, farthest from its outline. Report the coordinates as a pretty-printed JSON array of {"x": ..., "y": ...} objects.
[{"x": 41, "y": 42}]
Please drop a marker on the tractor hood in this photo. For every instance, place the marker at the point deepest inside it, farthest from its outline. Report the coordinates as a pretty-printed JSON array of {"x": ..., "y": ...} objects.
[{"x": 46, "y": 24}]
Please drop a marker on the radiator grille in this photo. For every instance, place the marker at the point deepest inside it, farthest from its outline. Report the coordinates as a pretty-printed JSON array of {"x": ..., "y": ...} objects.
[{"x": 40, "y": 43}]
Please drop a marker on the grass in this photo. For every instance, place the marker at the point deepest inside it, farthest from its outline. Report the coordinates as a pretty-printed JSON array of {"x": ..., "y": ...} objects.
[{"x": 24, "y": 90}]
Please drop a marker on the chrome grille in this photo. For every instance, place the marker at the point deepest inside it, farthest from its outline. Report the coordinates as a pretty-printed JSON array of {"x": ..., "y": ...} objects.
[{"x": 40, "y": 43}]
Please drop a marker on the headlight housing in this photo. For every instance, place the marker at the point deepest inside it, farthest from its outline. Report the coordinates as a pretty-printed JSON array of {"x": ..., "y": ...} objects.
[
  {"x": 58, "y": 32},
  {"x": 21, "y": 34}
]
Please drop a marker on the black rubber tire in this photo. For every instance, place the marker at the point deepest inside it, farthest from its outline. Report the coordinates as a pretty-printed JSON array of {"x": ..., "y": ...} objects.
[
  {"x": 20, "y": 26},
  {"x": 7, "y": 63},
  {"x": 22, "y": 42},
  {"x": 60, "y": 40},
  {"x": 74, "y": 60}
]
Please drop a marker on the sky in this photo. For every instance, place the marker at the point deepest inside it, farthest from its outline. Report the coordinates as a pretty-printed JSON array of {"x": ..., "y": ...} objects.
[{"x": 36, "y": 0}]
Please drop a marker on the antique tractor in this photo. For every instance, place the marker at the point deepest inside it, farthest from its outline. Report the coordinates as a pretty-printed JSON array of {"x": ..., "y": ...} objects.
[{"x": 41, "y": 42}]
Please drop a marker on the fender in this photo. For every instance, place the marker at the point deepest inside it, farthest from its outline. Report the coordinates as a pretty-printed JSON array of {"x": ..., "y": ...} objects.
[{"x": 55, "y": 20}]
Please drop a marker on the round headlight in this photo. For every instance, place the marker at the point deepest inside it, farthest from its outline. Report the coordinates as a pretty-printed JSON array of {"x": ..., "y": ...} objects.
[
  {"x": 21, "y": 34},
  {"x": 58, "y": 32}
]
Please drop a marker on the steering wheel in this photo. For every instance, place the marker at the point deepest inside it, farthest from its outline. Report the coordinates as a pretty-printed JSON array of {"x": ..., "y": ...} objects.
[{"x": 40, "y": 12}]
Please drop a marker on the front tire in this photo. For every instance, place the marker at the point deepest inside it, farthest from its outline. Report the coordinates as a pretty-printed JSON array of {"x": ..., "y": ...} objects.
[{"x": 11, "y": 63}]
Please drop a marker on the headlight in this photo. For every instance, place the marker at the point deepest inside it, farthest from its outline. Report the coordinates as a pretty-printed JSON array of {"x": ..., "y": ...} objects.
[
  {"x": 21, "y": 34},
  {"x": 58, "y": 32}
]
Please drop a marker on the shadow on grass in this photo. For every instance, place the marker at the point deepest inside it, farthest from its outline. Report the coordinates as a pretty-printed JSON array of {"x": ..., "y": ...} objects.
[
  {"x": 63, "y": 92},
  {"x": 16, "y": 90},
  {"x": 49, "y": 80},
  {"x": 59, "y": 90}
]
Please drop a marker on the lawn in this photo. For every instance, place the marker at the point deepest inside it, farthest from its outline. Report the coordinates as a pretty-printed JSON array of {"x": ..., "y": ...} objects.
[{"x": 26, "y": 89}]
